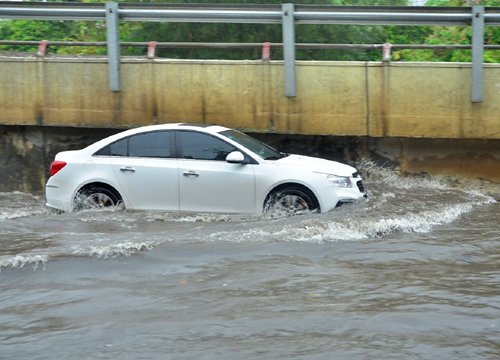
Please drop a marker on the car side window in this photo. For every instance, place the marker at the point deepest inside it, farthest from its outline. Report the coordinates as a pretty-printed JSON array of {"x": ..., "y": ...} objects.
[
  {"x": 151, "y": 144},
  {"x": 200, "y": 146},
  {"x": 119, "y": 148}
]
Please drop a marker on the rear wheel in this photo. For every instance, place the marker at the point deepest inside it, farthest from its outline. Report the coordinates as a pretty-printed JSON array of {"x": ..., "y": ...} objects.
[
  {"x": 290, "y": 201},
  {"x": 95, "y": 197}
]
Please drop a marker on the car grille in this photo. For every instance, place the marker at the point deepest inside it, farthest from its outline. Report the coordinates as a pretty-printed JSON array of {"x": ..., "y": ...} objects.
[{"x": 360, "y": 186}]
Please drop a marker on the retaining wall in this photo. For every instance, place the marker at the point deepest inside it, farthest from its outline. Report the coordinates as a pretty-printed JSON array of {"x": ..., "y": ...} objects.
[{"x": 429, "y": 100}]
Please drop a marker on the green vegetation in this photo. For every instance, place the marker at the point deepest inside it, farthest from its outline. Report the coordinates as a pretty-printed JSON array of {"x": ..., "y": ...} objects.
[{"x": 256, "y": 33}]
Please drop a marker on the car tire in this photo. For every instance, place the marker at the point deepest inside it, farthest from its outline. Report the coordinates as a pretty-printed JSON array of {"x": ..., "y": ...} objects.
[
  {"x": 290, "y": 201},
  {"x": 95, "y": 197}
]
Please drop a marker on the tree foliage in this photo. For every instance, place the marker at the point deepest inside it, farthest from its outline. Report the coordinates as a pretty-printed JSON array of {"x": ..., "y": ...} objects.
[
  {"x": 259, "y": 33},
  {"x": 454, "y": 35},
  {"x": 38, "y": 30}
]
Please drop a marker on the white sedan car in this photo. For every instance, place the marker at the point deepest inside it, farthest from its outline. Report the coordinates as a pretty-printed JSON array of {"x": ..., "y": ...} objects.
[{"x": 197, "y": 168}]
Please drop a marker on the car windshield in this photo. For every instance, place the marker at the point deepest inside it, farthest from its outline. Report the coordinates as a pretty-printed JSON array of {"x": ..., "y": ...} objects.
[{"x": 264, "y": 151}]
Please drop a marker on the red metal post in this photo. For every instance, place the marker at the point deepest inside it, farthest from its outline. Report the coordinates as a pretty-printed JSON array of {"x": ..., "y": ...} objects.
[
  {"x": 266, "y": 51},
  {"x": 42, "y": 48},
  {"x": 386, "y": 52},
  {"x": 152, "y": 49}
]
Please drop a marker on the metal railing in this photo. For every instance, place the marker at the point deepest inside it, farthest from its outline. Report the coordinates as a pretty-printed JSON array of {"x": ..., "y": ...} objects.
[
  {"x": 249, "y": 13},
  {"x": 288, "y": 15},
  {"x": 265, "y": 47}
]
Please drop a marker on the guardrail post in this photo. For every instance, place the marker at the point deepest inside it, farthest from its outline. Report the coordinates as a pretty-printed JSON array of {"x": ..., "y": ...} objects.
[
  {"x": 477, "y": 53},
  {"x": 288, "y": 28},
  {"x": 112, "y": 34},
  {"x": 266, "y": 51},
  {"x": 152, "y": 49},
  {"x": 42, "y": 48},
  {"x": 386, "y": 52}
]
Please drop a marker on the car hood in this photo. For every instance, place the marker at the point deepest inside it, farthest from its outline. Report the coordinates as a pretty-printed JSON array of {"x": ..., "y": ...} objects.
[{"x": 317, "y": 165}]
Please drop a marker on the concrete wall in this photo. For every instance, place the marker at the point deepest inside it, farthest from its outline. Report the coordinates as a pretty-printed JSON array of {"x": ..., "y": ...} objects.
[{"x": 429, "y": 100}]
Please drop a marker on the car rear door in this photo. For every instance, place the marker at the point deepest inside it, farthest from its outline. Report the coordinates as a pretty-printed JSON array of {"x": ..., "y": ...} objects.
[
  {"x": 148, "y": 174},
  {"x": 207, "y": 183}
]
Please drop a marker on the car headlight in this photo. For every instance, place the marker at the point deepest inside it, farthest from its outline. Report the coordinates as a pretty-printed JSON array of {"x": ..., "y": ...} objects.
[{"x": 338, "y": 181}]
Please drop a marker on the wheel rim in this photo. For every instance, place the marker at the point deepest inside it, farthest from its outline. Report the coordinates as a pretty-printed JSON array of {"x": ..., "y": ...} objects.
[
  {"x": 96, "y": 201},
  {"x": 292, "y": 205}
]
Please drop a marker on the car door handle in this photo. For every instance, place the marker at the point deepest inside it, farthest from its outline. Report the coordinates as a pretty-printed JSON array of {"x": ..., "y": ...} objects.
[
  {"x": 190, "y": 173},
  {"x": 127, "y": 169}
]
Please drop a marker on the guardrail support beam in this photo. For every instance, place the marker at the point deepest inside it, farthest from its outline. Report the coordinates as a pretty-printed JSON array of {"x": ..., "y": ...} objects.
[
  {"x": 113, "y": 39},
  {"x": 477, "y": 53},
  {"x": 288, "y": 28}
]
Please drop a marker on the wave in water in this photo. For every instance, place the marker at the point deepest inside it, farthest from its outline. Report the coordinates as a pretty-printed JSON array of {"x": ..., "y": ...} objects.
[
  {"x": 114, "y": 250},
  {"x": 20, "y": 261},
  {"x": 127, "y": 249},
  {"x": 320, "y": 231}
]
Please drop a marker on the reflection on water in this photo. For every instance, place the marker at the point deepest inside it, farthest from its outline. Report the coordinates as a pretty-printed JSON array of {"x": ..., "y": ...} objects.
[{"x": 412, "y": 272}]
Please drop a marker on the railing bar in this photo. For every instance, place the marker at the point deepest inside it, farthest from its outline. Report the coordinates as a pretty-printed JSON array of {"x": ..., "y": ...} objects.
[
  {"x": 386, "y": 17},
  {"x": 249, "y": 14},
  {"x": 200, "y": 14},
  {"x": 252, "y": 45}
]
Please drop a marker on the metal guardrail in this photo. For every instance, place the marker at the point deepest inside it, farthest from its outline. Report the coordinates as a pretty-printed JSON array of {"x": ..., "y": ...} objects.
[
  {"x": 152, "y": 46},
  {"x": 288, "y": 15},
  {"x": 249, "y": 13}
]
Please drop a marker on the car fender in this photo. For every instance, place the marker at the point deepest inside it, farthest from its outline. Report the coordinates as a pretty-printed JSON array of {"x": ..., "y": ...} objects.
[
  {"x": 274, "y": 176},
  {"x": 87, "y": 181}
]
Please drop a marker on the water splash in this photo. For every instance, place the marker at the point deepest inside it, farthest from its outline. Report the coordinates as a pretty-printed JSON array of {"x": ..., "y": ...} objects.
[
  {"x": 326, "y": 228},
  {"x": 385, "y": 175},
  {"x": 20, "y": 261},
  {"x": 408, "y": 223},
  {"x": 114, "y": 250}
]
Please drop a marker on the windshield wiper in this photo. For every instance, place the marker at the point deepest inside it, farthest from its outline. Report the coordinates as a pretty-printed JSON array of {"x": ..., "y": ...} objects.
[
  {"x": 282, "y": 155},
  {"x": 272, "y": 158}
]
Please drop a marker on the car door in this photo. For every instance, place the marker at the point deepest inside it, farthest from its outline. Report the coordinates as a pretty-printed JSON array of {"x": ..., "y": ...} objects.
[
  {"x": 146, "y": 171},
  {"x": 207, "y": 183}
]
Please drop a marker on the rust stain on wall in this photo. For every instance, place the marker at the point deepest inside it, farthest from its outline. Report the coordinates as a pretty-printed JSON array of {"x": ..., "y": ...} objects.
[{"x": 483, "y": 166}]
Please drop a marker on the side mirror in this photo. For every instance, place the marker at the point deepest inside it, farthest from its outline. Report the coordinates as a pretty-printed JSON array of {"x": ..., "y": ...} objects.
[{"x": 235, "y": 157}]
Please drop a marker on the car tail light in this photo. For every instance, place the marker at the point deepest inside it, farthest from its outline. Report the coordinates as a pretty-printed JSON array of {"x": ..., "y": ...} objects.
[{"x": 56, "y": 166}]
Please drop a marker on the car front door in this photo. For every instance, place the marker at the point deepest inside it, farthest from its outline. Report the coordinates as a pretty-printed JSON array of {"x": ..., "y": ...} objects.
[
  {"x": 146, "y": 171},
  {"x": 207, "y": 183}
]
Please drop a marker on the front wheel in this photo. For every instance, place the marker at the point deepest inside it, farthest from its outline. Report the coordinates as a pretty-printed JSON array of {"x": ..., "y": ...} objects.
[
  {"x": 290, "y": 201},
  {"x": 95, "y": 198}
]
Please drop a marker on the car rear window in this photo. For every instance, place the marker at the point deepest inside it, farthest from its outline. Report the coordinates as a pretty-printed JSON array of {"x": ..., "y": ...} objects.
[{"x": 151, "y": 144}]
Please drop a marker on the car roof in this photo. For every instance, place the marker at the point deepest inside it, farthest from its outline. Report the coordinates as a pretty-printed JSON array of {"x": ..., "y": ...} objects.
[
  {"x": 177, "y": 126},
  {"x": 206, "y": 128}
]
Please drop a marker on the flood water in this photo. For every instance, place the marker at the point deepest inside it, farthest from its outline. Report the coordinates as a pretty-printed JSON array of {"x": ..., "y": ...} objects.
[{"x": 411, "y": 273}]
